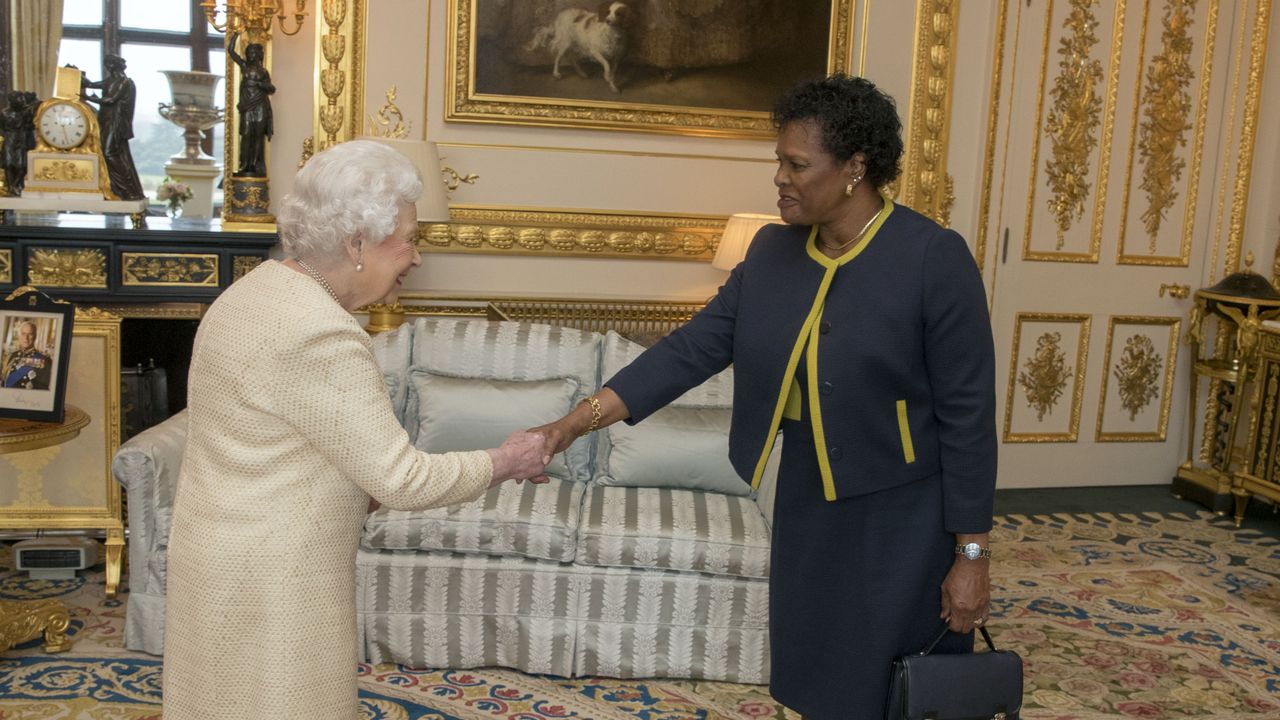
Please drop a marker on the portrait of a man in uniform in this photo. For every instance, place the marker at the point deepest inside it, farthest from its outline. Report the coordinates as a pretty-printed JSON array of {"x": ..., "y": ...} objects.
[{"x": 25, "y": 365}]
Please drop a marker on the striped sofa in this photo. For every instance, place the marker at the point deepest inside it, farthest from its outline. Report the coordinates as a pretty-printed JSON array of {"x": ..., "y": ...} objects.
[{"x": 644, "y": 556}]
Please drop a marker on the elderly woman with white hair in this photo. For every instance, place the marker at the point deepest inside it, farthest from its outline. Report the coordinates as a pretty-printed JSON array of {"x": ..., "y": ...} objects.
[{"x": 291, "y": 433}]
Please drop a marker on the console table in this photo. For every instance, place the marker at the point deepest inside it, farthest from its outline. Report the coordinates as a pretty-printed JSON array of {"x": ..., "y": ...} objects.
[
  {"x": 21, "y": 620},
  {"x": 104, "y": 260}
]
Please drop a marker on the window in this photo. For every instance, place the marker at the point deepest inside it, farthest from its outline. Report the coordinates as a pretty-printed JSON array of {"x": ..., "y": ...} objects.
[{"x": 151, "y": 36}]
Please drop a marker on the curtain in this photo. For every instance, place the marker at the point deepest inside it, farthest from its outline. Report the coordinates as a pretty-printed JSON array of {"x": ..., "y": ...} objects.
[{"x": 37, "y": 29}]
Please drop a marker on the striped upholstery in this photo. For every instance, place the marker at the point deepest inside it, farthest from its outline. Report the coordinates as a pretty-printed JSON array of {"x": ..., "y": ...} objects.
[
  {"x": 538, "y": 521},
  {"x": 147, "y": 467},
  {"x": 673, "y": 529},
  {"x": 639, "y": 623},
  {"x": 391, "y": 351},
  {"x": 468, "y": 348},
  {"x": 446, "y": 610}
]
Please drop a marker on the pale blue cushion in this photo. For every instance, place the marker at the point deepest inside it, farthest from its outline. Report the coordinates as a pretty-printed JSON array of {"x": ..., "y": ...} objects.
[
  {"x": 506, "y": 351},
  {"x": 676, "y": 447},
  {"x": 684, "y": 445},
  {"x": 474, "y": 414}
]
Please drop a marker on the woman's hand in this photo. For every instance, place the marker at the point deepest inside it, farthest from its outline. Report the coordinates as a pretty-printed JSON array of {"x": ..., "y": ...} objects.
[
  {"x": 966, "y": 592},
  {"x": 523, "y": 455}
]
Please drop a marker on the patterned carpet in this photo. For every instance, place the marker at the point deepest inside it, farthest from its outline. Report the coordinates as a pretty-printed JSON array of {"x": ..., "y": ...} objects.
[{"x": 1116, "y": 616}]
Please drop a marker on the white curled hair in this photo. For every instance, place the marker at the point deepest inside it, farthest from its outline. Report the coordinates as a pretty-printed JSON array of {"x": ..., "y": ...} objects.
[{"x": 353, "y": 188}]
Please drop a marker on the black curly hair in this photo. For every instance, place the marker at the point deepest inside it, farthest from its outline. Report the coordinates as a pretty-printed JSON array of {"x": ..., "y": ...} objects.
[{"x": 855, "y": 116}]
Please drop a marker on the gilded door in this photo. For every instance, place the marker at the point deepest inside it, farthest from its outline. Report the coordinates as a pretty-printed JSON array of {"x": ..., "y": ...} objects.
[{"x": 1109, "y": 177}]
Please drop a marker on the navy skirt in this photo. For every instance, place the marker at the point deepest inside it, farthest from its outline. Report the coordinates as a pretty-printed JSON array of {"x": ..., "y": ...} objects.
[{"x": 853, "y": 585}]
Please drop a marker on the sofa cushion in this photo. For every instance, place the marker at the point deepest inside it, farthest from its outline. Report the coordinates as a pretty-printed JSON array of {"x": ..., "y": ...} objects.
[
  {"x": 530, "y": 520},
  {"x": 468, "y": 348},
  {"x": 391, "y": 352},
  {"x": 673, "y": 529},
  {"x": 456, "y": 414},
  {"x": 677, "y": 447},
  {"x": 684, "y": 445}
]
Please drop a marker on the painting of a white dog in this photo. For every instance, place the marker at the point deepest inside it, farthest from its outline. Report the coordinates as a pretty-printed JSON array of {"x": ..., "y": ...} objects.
[{"x": 578, "y": 34}]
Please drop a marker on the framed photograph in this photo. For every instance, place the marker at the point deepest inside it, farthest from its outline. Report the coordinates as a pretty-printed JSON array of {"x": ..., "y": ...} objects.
[
  {"x": 35, "y": 344},
  {"x": 710, "y": 67}
]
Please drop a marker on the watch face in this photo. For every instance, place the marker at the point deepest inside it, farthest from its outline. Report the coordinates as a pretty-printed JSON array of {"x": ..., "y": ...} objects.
[
  {"x": 973, "y": 551},
  {"x": 63, "y": 126}
]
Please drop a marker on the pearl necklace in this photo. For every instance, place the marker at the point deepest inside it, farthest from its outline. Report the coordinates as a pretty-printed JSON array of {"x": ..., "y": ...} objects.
[
  {"x": 855, "y": 238},
  {"x": 315, "y": 275}
]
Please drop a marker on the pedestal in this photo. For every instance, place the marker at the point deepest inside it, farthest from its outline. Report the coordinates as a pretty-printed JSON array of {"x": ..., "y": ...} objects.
[
  {"x": 246, "y": 199},
  {"x": 201, "y": 179}
]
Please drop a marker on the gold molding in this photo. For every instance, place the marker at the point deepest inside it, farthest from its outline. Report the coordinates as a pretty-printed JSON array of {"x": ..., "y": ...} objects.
[
  {"x": 338, "y": 95},
  {"x": 21, "y": 621},
  {"x": 1073, "y": 121},
  {"x": 168, "y": 269},
  {"x": 993, "y": 124},
  {"x": 92, "y": 322},
  {"x": 1174, "y": 325},
  {"x": 1183, "y": 258},
  {"x": 1248, "y": 132},
  {"x": 67, "y": 267},
  {"x": 1077, "y": 393},
  {"x": 463, "y": 104},
  {"x": 929, "y": 114},
  {"x": 6, "y": 266},
  {"x": 156, "y": 311},
  {"x": 570, "y": 233}
]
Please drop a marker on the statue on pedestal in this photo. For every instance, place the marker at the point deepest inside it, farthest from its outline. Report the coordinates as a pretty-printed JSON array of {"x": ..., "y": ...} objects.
[
  {"x": 254, "y": 106},
  {"x": 17, "y": 125},
  {"x": 115, "y": 118}
]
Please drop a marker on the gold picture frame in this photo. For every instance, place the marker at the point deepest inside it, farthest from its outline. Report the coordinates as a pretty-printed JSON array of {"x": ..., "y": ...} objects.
[{"x": 500, "y": 57}]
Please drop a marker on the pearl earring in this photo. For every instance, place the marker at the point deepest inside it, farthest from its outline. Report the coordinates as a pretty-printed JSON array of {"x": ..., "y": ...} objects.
[{"x": 359, "y": 267}]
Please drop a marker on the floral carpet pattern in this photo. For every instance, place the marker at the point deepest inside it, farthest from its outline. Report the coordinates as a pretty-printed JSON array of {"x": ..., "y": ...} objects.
[{"x": 1115, "y": 616}]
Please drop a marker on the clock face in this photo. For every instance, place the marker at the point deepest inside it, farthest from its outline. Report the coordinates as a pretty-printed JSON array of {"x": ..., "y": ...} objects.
[{"x": 63, "y": 126}]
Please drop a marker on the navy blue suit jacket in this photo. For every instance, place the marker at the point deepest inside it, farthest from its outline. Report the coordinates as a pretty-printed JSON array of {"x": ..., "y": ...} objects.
[{"x": 906, "y": 320}]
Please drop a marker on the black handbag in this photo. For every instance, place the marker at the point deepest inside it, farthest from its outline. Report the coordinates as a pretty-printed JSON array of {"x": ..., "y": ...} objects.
[{"x": 968, "y": 686}]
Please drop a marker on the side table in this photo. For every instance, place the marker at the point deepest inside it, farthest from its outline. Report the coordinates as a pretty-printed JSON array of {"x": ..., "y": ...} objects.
[{"x": 22, "y": 620}]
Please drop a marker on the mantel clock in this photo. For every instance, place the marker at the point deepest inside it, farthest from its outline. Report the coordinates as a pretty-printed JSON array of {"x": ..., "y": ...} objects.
[{"x": 68, "y": 155}]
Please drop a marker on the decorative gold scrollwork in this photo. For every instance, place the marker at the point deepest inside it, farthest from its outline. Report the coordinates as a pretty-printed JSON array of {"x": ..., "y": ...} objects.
[
  {"x": 1137, "y": 374},
  {"x": 64, "y": 170},
  {"x": 242, "y": 264},
  {"x": 1044, "y": 375},
  {"x": 1167, "y": 106},
  {"x": 67, "y": 268},
  {"x": 1073, "y": 121},
  {"x": 380, "y": 125},
  {"x": 22, "y": 621},
  {"x": 6, "y": 266}
]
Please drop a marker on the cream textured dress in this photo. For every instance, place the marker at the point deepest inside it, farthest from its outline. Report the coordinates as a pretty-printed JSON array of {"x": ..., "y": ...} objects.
[{"x": 291, "y": 433}]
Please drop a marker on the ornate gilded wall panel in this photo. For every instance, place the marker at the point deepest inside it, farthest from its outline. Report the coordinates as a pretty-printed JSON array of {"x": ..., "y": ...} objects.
[
  {"x": 476, "y": 228},
  {"x": 340, "y": 63},
  {"x": 6, "y": 266},
  {"x": 1077, "y": 130},
  {"x": 67, "y": 267},
  {"x": 242, "y": 264},
  {"x": 1137, "y": 384},
  {"x": 1167, "y": 134},
  {"x": 169, "y": 269},
  {"x": 1046, "y": 377},
  {"x": 927, "y": 188}
]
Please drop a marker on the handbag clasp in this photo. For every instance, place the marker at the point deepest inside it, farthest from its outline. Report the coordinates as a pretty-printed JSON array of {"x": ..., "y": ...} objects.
[{"x": 998, "y": 716}]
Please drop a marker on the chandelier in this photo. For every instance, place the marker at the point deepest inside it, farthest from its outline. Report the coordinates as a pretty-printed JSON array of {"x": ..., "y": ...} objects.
[{"x": 239, "y": 16}]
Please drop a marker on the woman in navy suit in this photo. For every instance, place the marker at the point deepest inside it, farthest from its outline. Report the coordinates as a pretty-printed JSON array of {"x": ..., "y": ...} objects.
[{"x": 860, "y": 330}]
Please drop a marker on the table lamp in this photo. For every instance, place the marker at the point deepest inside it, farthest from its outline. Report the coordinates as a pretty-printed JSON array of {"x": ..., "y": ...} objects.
[{"x": 737, "y": 236}]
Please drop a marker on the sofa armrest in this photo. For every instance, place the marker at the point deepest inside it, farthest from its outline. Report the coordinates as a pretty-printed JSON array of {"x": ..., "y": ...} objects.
[
  {"x": 147, "y": 467},
  {"x": 769, "y": 483}
]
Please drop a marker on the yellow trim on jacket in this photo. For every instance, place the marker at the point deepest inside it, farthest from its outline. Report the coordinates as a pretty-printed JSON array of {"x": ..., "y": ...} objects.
[{"x": 808, "y": 334}]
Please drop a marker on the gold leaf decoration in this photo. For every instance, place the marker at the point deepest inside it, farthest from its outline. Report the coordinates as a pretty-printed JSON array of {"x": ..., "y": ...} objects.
[
  {"x": 1044, "y": 375},
  {"x": 1165, "y": 114},
  {"x": 1138, "y": 374},
  {"x": 1073, "y": 121},
  {"x": 6, "y": 266},
  {"x": 67, "y": 268}
]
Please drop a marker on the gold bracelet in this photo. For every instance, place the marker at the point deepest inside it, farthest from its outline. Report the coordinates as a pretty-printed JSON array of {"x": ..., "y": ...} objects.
[{"x": 595, "y": 414}]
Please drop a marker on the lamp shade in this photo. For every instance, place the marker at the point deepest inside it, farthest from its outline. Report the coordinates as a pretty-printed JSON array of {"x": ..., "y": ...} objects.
[
  {"x": 737, "y": 236},
  {"x": 433, "y": 206}
]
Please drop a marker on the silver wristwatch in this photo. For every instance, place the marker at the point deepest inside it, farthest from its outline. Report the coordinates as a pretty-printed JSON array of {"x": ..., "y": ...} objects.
[{"x": 973, "y": 551}]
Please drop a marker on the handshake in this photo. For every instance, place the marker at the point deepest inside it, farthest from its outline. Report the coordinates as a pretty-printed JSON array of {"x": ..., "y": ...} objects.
[{"x": 526, "y": 453}]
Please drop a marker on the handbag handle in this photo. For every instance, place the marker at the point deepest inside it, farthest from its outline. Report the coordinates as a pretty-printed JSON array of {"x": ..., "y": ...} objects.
[{"x": 945, "y": 629}]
